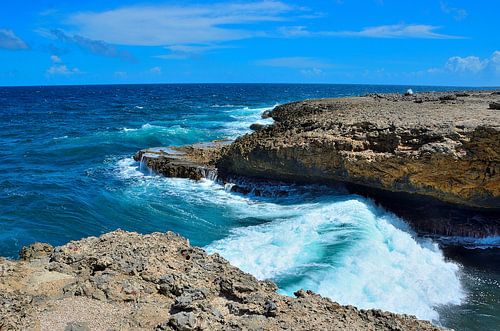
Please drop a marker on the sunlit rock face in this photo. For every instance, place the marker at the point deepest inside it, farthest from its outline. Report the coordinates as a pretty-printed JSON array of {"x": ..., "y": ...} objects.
[{"x": 446, "y": 146}]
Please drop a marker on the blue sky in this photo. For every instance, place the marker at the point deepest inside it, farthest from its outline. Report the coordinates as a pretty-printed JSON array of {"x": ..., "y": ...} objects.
[{"x": 52, "y": 42}]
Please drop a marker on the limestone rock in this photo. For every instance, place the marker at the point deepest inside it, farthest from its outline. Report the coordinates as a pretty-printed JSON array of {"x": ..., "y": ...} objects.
[
  {"x": 158, "y": 281},
  {"x": 444, "y": 147},
  {"x": 194, "y": 161}
]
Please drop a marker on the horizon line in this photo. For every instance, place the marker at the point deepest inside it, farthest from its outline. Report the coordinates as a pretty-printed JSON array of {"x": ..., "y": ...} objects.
[{"x": 253, "y": 83}]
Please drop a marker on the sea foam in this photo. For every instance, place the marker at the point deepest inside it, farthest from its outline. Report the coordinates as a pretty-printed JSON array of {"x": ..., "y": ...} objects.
[{"x": 350, "y": 251}]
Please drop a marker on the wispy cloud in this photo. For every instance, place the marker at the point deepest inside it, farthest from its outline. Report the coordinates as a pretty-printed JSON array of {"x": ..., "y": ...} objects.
[
  {"x": 98, "y": 47},
  {"x": 177, "y": 25},
  {"x": 55, "y": 59},
  {"x": 121, "y": 74},
  {"x": 59, "y": 68},
  {"x": 422, "y": 31},
  {"x": 399, "y": 31},
  {"x": 9, "y": 40},
  {"x": 457, "y": 13},
  {"x": 188, "y": 51},
  {"x": 313, "y": 72},
  {"x": 296, "y": 62},
  {"x": 155, "y": 70},
  {"x": 294, "y": 31}
]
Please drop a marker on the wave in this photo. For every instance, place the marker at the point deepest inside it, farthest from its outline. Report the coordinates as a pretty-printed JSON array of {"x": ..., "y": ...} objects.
[
  {"x": 350, "y": 251},
  {"x": 242, "y": 118},
  {"x": 151, "y": 127},
  {"x": 225, "y": 106}
]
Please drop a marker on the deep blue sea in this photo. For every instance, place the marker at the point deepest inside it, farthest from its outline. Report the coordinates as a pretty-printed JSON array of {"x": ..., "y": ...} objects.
[{"x": 66, "y": 171}]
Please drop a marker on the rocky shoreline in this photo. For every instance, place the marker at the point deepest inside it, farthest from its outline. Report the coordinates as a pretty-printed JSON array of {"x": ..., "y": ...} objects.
[
  {"x": 127, "y": 281},
  {"x": 432, "y": 158}
]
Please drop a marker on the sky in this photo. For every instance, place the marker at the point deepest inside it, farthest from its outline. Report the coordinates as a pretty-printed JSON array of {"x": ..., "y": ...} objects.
[{"x": 448, "y": 42}]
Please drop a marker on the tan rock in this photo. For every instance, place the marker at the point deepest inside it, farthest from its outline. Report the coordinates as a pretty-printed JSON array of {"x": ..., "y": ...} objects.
[{"x": 158, "y": 281}]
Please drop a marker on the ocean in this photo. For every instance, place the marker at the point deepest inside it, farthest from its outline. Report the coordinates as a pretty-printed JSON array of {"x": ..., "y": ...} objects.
[{"x": 66, "y": 172}]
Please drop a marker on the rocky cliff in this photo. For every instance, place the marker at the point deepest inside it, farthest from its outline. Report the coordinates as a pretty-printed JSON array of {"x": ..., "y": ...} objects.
[
  {"x": 128, "y": 281},
  {"x": 442, "y": 145}
]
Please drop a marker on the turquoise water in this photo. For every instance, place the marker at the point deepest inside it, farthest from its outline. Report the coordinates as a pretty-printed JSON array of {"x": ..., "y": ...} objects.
[{"x": 67, "y": 172}]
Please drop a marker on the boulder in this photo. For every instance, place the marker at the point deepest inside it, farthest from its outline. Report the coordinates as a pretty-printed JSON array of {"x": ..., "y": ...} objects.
[{"x": 495, "y": 105}]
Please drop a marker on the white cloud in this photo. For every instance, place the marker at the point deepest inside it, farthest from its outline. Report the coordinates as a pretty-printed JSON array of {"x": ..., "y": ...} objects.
[
  {"x": 62, "y": 69},
  {"x": 312, "y": 72},
  {"x": 121, "y": 74},
  {"x": 495, "y": 61},
  {"x": 294, "y": 31},
  {"x": 465, "y": 64},
  {"x": 9, "y": 40},
  {"x": 296, "y": 62},
  {"x": 59, "y": 68},
  {"x": 176, "y": 25},
  {"x": 422, "y": 31},
  {"x": 470, "y": 65},
  {"x": 55, "y": 59},
  {"x": 155, "y": 70},
  {"x": 457, "y": 13}
]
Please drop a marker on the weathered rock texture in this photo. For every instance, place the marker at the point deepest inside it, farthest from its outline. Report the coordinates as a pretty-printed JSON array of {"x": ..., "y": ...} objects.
[
  {"x": 193, "y": 161},
  {"x": 442, "y": 145},
  {"x": 127, "y": 281}
]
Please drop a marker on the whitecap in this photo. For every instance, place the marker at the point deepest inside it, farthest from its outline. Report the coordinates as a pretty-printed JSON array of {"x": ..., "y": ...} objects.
[
  {"x": 350, "y": 251},
  {"x": 242, "y": 118}
]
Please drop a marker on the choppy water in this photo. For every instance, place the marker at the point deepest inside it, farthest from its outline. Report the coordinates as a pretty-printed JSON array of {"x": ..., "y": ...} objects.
[{"x": 66, "y": 172}]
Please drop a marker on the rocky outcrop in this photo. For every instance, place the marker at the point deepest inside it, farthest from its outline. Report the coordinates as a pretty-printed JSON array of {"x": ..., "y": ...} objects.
[
  {"x": 442, "y": 145},
  {"x": 128, "y": 281},
  {"x": 431, "y": 158},
  {"x": 193, "y": 161}
]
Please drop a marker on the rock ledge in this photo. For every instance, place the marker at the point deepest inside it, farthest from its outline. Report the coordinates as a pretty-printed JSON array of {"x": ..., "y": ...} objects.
[{"x": 124, "y": 280}]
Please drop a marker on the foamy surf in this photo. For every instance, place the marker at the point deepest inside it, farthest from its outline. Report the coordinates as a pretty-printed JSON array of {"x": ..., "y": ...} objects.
[
  {"x": 242, "y": 118},
  {"x": 350, "y": 251}
]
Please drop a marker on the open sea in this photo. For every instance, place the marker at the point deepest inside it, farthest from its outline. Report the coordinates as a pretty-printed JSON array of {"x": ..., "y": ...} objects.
[{"x": 66, "y": 172}]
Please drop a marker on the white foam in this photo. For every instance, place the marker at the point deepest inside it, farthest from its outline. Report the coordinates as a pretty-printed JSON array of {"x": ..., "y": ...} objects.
[
  {"x": 128, "y": 168},
  {"x": 153, "y": 129},
  {"x": 242, "y": 118},
  {"x": 350, "y": 252}
]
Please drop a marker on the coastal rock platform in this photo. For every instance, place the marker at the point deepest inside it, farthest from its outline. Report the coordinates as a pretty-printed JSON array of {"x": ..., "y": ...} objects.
[
  {"x": 127, "y": 281},
  {"x": 442, "y": 145}
]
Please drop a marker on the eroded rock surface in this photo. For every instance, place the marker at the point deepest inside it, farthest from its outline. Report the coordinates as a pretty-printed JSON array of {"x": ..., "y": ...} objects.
[
  {"x": 128, "y": 281},
  {"x": 442, "y": 145},
  {"x": 193, "y": 161}
]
